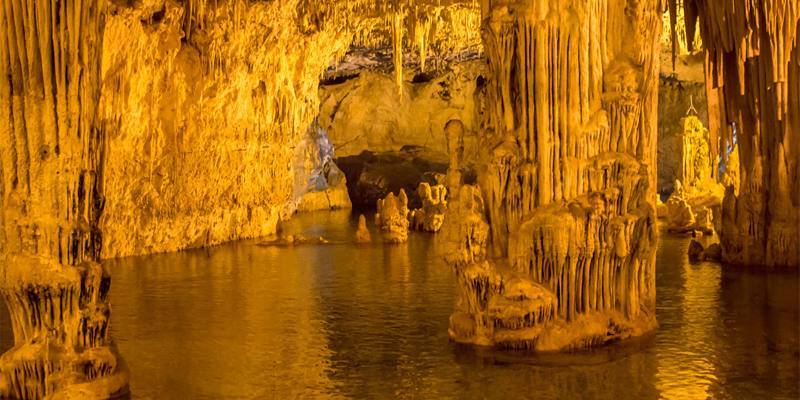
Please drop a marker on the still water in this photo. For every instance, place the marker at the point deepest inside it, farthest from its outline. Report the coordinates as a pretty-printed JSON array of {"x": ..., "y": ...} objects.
[{"x": 370, "y": 321}]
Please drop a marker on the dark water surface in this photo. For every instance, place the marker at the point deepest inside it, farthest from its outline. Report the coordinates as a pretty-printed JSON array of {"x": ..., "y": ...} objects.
[{"x": 347, "y": 321}]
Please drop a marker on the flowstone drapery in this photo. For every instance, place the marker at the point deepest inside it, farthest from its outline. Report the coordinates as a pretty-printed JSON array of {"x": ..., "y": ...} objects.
[{"x": 567, "y": 184}]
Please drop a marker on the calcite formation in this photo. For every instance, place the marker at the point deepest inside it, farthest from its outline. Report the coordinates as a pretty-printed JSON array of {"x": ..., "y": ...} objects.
[
  {"x": 358, "y": 114},
  {"x": 362, "y": 234},
  {"x": 568, "y": 179},
  {"x": 697, "y": 196},
  {"x": 753, "y": 81},
  {"x": 204, "y": 104},
  {"x": 319, "y": 183},
  {"x": 430, "y": 217},
  {"x": 392, "y": 217},
  {"x": 52, "y": 152}
]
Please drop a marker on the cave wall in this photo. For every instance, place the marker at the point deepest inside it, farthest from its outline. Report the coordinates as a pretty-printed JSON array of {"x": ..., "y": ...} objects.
[
  {"x": 753, "y": 86},
  {"x": 202, "y": 126},
  {"x": 358, "y": 115}
]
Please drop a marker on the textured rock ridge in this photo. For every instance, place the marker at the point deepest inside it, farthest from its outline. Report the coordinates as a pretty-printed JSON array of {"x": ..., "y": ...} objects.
[
  {"x": 53, "y": 195},
  {"x": 569, "y": 180}
]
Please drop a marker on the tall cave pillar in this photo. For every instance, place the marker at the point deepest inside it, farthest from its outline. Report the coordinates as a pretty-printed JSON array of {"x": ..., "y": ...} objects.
[
  {"x": 567, "y": 185},
  {"x": 753, "y": 68},
  {"x": 51, "y": 188}
]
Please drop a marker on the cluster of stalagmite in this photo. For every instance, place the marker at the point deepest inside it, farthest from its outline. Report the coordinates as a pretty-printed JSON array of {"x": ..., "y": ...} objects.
[
  {"x": 753, "y": 81},
  {"x": 430, "y": 217},
  {"x": 568, "y": 179},
  {"x": 52, "y": 153},
  {"x": 392, "y": 217}
]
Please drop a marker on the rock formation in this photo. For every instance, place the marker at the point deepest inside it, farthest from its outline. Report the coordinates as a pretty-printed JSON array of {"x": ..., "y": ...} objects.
[
  {"x": 568, "y": 179},
  {"x": 319, "y": 183},
  {"x": 697, "y": 196},
  {"x": 392, "y": 217},
  {"x": 362, "y": 234},
  {"x": 753, "y": 81},
  {"x": 52, "y": 193},
  {"x": 359, "y": 115},
  {"x": 204, "y": 104},
  {"x": 371, "y": 176},
  {"x": 430, "y": 216}
]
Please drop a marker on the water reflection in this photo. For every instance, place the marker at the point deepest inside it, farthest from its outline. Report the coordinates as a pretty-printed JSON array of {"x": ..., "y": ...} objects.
[{"x": 347, "y": 321}]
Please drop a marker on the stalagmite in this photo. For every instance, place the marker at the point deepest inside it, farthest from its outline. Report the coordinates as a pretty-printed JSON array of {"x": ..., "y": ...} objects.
[
  {"x": 52, "y": 191},
  {"x": 753, "y": 68},
  {"x": 363, "y": 235},
  {"x": 568, "y": 178},
  {"x": 430, "y": 216},
  {"x": 392, "y": 217}
]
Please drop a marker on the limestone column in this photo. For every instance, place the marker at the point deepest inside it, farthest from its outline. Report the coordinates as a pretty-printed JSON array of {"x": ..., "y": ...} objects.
[
  {"x": 51, "y": 191},
  {"x": 753, "y": 67},
  {"x": 569, "y": 177}
]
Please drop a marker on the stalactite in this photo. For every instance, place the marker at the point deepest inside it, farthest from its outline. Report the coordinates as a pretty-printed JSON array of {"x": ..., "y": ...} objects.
[
  {"x": 398, "y": 33},
  {"x": 753, "y": 77}
]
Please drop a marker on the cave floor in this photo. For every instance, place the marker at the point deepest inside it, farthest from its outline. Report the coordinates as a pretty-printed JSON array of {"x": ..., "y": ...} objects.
[{"x": 370, "y": 321}]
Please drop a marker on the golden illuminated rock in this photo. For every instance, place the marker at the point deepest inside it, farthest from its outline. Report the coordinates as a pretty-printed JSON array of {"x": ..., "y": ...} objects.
[
  {"x": 392, "y": 217},
  {"x": 430, "y": 216},
  {"x": 568, "y": 177},
  {"x": 362, "y": 234},
  {"x": 52, "y": 196},
  {"x": 753, "y": 80}
]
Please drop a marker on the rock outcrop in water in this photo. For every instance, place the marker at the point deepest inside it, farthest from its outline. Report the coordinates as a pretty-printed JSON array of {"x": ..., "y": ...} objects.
[
  {"x": 430, "y": 216},
  {"x": 392, "y": 217},
  {"x": 362, "y": 234},
  {"x": 568, "y": 180}
]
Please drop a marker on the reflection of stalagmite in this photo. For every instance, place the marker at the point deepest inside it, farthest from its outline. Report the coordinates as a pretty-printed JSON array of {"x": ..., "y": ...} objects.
[
  {"x": 430, "y": 217},
  {"x": 392, "y": 217},
  {"x": 51, "y": 192},
  {"x": 363, "y": 235},
  {"x": 568, "y": 179}
]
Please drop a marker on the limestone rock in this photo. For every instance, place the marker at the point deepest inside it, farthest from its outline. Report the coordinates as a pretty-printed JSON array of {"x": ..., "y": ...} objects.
[
  {"x": 328, "y": 191},
  {"x": 392, "y": 217},
  {"x": 430, "y": 216},
  {"x": 372, "y": 176},
  {"x": 363, "y": 235},
  {"x": 567, "y": 178},
  {"x": 695, "y": 250},
  {"x": 359, "y": 115},
  {"x": 753, "y": 85}
]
